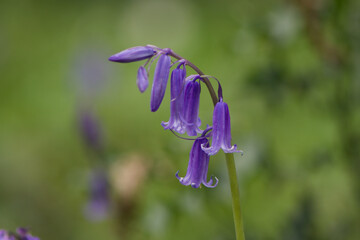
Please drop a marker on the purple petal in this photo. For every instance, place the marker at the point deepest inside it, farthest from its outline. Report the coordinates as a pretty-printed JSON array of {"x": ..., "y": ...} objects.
[
  {"x": 198, "y": 166},
  {"x": 4, "y": 235},
  {"x": 142, "y": 80},
  {"x": 221, "y": 134},
  {"x": 190, "y": 114},
  {"x": 175, "y": 122},
  {"x": 133, "y": 54},
  {"x": 161, "y": 76},
  {"x": 210, "y": 183}
]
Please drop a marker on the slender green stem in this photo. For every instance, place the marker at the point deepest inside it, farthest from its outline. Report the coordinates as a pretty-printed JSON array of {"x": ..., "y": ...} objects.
[
  {"x": 235, "y": 196},
  {"x": 239, "y": 230}
]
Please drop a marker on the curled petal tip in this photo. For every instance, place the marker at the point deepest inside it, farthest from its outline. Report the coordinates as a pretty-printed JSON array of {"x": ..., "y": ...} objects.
[
  {"x": 210, "y": 184},
  {"x": 195, "y": 185},
  {"x": 231, "y": 149},
  {"x": 165, "y": 125},
  {"x": 177, "y": 176},
  {"x": 209, "y": 150},
  {"x": 217, "y": 181}
]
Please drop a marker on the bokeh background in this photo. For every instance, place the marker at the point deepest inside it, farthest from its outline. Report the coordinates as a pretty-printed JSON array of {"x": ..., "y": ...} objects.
[{"x": 290, "y": 71}]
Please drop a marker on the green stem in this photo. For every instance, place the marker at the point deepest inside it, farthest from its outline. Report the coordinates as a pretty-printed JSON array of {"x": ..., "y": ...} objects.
[{"x": 235, "y": 196}]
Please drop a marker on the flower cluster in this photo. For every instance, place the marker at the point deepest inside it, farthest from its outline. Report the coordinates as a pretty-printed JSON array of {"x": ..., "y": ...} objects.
[
  {"x": 21, "y": 234},
  {"x": 184, "y": 107}
]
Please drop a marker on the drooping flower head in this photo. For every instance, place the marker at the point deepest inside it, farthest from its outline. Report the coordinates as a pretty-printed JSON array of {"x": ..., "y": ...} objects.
[
  {"x": 133, "y": 54},
  {"x": 184, "y": 107},
  {"x": 161, "y": 76},
  {"x": 221, "y": 134},
  {"x": 175, "y": 122},
  {"x": 198, "y": 167},
  {"x": 190, "y": 114}
]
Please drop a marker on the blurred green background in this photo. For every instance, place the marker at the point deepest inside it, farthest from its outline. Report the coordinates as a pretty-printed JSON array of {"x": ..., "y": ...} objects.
[{"x": 290, "y": 71}]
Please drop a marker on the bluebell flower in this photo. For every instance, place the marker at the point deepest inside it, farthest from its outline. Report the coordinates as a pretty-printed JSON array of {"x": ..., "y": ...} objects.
[
  {"x": 98, "y": 205},
  {"x": 133, "y": 54},
  {"x": 221, "y": 134},
  {"x": 25, "y": 235},
  {"x": 190, "y": 115},
  {"x": 175, "y": 122},
  {"x": 161, "y": 76},
  {"x": 4, "y": 235},
  {"x": 198, "y": 167},
  {"x": 142, "y": 80}
]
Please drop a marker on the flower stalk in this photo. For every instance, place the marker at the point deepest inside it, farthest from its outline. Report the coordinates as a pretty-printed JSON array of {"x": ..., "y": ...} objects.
[
  {"x": 221, "y": 133},
  {"x": 234, "y": 186},
  {"x": 235, "y": 194}
]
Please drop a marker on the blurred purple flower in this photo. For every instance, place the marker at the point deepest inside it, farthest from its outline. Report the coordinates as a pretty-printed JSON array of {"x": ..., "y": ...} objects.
[
  {"x": 198, "y": 167},
  {"x": 21, "y": 234},
  {"x": 89, "y": 74},
  {"x": 25, "y": 235},
  {"x": 142, "y": 80},
  {"x": 175, "y": 122},
  {"x": 4, "y": 235},
  {"x": 133, "y": 54},
  {"x": 161, "y": 76},
  {"x": 190, "y": 115},
  {"x": 98, "y": 205},
  {"x": 221, "y": 134},
  {"x": 90, "y": 130}
]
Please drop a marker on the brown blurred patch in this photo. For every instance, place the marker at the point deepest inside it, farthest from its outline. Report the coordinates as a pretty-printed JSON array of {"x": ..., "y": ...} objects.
[{"x": 128, "y": 175}]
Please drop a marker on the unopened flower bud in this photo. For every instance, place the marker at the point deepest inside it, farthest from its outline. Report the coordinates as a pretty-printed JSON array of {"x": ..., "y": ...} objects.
[
  {"x": 142, "y": 80},
  {"x": 133, "y": 54},
  {"x": 161, "y": 76}
]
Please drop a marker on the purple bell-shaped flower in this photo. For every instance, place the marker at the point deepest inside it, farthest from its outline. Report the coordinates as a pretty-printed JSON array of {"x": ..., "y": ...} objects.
[
  {"x": 161, "y": 76},
  {"x": 198, "y": 167},
  {"x": 175, "y": 122},
  {"x": 190, "y": 114},
  {"x": 133, "y": 54},
  {"x": 221, "y": 134}
]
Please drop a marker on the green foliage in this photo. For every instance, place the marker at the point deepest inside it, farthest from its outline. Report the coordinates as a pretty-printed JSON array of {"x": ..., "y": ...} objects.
[{"x": 293, "y": 94}]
